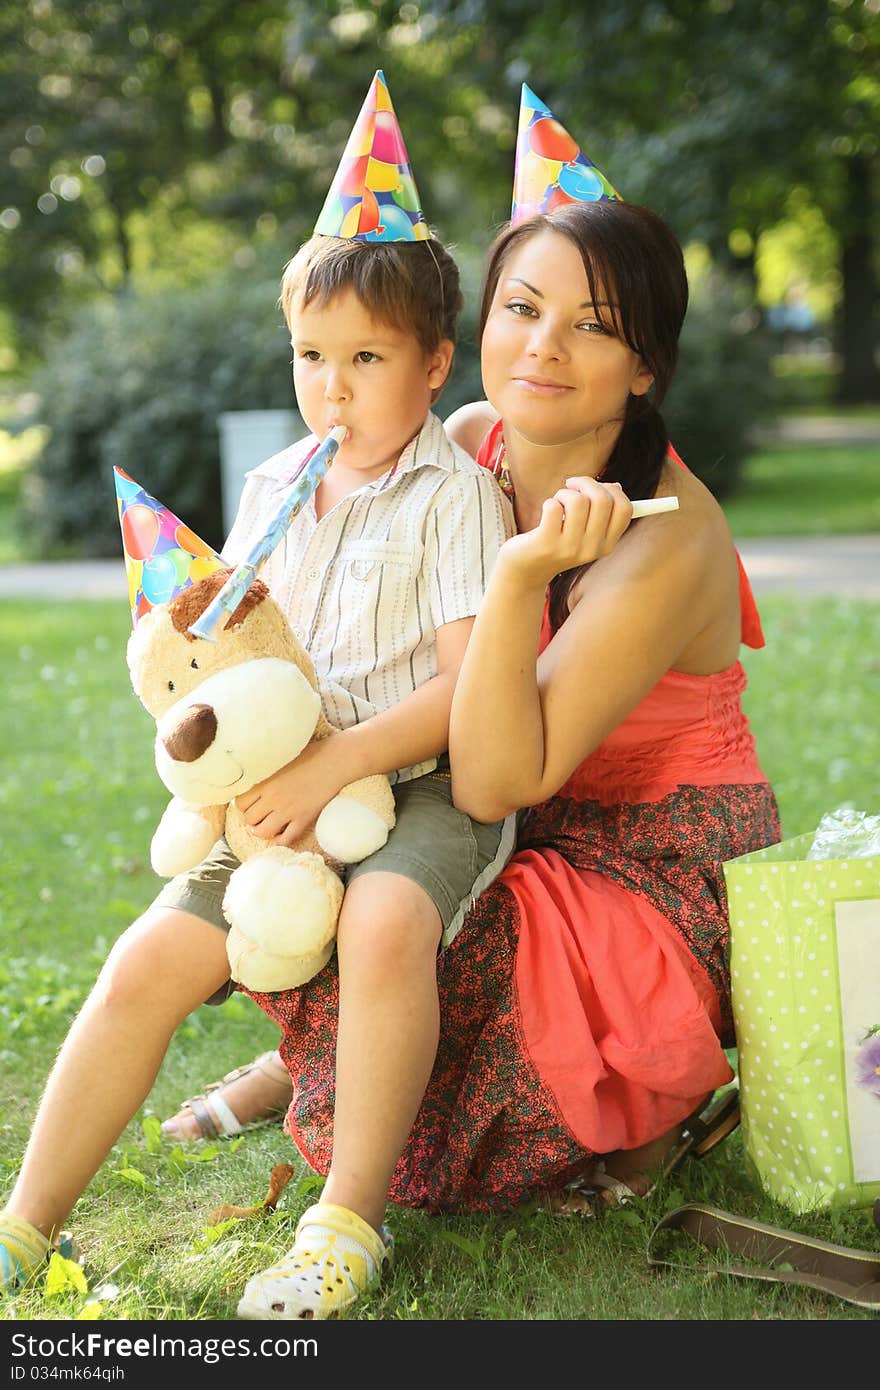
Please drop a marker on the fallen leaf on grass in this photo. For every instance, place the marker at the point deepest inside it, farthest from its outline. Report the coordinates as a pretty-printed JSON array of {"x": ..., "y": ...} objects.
[
  {"x": 63, "y": 1275},
  {"x": 278, "y": 1180}
]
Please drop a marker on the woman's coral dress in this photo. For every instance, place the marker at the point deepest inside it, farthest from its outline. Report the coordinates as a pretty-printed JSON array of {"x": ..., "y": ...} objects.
[{"x": 585, "y": 1004}]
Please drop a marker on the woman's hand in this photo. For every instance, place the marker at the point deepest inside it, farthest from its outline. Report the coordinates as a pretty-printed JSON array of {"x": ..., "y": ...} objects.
[
  {"x": 579, "y": 524},
  {"x": 284, "y": 805}
]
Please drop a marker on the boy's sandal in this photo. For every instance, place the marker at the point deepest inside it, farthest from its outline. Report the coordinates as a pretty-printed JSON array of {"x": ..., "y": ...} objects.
[
  {"x": 213, "y": 1114},
  {"x": 596, "y": 1192},
  {"x": 335, "y": 1258}
]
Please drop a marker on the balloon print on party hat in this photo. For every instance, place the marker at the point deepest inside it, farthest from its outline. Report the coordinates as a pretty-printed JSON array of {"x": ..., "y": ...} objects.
[
  {"x": 162, "y": 556},
  {"x": 374, "y": 196},
  {"x": 550, "y": 170}
]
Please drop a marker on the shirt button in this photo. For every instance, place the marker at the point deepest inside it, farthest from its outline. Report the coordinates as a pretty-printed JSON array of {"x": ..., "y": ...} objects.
[
  {"x": 298, "y": 632},
  {"x": 312, "y": 574}
]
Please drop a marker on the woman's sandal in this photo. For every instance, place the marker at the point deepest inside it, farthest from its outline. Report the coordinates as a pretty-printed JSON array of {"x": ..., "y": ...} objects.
[
  {"x": 335, "y": 1258},
  {"x": 597, "y": 1191},
  {"x": 213, "y": 1114}
]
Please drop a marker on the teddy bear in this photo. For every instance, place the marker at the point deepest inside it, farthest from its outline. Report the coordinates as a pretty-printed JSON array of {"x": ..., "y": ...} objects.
[{"x": 228, "y": 713}]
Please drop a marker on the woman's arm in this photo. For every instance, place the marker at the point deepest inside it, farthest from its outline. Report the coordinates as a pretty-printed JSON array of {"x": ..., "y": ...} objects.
[
  {"x": 469, "y": 425},
  {"x": 521, "y": 725}
]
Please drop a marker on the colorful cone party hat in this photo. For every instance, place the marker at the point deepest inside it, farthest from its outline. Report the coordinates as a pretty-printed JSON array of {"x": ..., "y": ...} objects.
[
  {"x": 162, "y": 556},
  {"x": 550, "y": 170},
  {"x": 374, "y": 196}
]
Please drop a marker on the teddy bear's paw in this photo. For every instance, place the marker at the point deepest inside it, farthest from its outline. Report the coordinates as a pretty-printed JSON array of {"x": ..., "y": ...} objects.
[
  {"x": 183, "y": 837},
  {"x": 349, "y": 831},
  {"x": 284, "y": 902}
]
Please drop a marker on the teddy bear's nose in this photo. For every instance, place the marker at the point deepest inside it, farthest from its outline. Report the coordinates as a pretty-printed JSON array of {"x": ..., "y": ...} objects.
[{"x": 195, "y": 732}]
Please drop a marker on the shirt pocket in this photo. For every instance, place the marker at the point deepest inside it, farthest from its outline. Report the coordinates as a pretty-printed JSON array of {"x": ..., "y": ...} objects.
[
  {"x": 363, "y": 558},
  {"x": 374, "y": 562},
  {"x": 378, "y": 612}
]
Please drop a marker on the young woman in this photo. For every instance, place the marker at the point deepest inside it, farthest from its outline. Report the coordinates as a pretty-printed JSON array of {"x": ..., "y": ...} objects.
[{"x": 585, "y": 1004}]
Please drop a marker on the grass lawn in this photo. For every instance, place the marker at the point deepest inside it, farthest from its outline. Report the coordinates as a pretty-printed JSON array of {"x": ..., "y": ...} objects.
[
  {"x": 79, "y": 798},
  {"x": 808, "y": 490},
  {"x": 17, "y": 452}
]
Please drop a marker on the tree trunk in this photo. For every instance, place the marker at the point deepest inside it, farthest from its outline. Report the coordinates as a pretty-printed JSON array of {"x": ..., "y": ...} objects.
[
  {"x": 218, "y": 125},
  {"x": 859, "y": 380},
  {"x": 120, "y": 228}
]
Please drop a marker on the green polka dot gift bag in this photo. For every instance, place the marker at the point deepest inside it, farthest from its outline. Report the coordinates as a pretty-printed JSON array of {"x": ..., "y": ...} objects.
[{"x": 805, "y": 969}]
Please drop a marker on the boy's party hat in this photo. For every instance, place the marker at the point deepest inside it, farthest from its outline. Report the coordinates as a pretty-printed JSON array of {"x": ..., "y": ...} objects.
[
  {"x": 162, "y": 556},
  {"x": 550, "y": 170},
  {"x": 374, "y": 196}
]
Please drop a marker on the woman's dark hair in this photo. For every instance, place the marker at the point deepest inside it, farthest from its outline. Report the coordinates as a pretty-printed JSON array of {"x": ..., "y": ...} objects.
[{"x": 633, "y": 254}]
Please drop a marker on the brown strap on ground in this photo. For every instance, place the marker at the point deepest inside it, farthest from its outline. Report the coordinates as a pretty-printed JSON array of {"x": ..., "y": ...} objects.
[{"x": 790, "y": 1258}]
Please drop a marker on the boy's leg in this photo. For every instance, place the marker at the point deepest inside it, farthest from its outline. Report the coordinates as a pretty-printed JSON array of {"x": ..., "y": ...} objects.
[
  {"x": 389, "y": 1022},
  {"x": 388, "y": 1028},
  {"x": 165, "y": 965},
  {"x": 398, "y": 905}
]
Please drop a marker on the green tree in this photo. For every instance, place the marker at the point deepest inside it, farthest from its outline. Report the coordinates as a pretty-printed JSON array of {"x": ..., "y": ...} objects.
[
  {"x": 148, "y": 137},
  {"x": 110, "y": 111},
  {"x": 129, "y": 130}
]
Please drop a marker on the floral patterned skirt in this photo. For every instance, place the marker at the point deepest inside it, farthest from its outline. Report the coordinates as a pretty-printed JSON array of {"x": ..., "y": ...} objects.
[{"x": 584, "y": 1005}]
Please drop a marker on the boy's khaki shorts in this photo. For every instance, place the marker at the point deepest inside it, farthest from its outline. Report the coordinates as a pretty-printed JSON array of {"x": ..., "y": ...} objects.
[{"x": 450, "y": 856}]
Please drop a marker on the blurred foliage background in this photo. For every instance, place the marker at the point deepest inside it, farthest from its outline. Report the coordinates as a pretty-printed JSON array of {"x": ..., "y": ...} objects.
[{"x": 162, "y": 162}]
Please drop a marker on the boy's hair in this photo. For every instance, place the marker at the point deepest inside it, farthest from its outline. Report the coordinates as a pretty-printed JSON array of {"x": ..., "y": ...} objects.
[{"x": 410, "y": 285}]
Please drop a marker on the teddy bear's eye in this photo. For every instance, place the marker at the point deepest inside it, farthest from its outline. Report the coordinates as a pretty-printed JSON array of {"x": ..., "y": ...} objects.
[
  {"x": 194, "y": 664},
  {"x": 171, "y": 685}
]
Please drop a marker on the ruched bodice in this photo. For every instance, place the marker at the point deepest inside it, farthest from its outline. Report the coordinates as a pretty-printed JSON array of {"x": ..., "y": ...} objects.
[{"x": 687, "y": 729}]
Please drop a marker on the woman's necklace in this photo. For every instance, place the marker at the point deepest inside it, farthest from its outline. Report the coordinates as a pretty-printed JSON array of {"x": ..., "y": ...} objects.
[
  {"x": 502, "y": 472},
  {"x": 498, "y": 468}
]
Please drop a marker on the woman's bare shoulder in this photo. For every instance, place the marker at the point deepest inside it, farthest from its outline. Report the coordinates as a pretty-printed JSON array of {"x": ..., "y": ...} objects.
[
  {"x": 678, "y": 554},
  {"x": 469, "y": 424},
  {"x": 699, "y": 509},
  {"x": 696, "y": 534}
]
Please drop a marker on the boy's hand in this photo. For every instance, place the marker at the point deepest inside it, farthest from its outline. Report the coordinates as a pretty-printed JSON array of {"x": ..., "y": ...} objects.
[
  {"x": 579, "y": 524},
  {"x": 285, "y": 805}
]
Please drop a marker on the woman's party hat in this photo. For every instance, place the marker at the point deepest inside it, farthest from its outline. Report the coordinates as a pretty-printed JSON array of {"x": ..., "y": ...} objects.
[
  {"x": 374, "y": 196},
  {"x": 162, "y": 556},
  {"x": 551, "y": 169}
]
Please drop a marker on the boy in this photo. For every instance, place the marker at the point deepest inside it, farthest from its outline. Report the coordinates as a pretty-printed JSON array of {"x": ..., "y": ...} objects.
[{"x": 381, "y": 575}]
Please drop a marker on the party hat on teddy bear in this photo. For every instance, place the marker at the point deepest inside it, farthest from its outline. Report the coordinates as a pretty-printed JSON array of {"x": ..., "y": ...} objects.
[
  {"x": 550, "y": 169},
  {"x": 162, "y": 555},
  {"x": 374, "y": 196}
]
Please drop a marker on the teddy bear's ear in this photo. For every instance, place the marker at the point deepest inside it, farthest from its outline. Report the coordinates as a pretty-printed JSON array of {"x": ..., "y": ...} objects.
[
  {"x": 162, "y": 555},
  {"x": 188, "y": 606}
]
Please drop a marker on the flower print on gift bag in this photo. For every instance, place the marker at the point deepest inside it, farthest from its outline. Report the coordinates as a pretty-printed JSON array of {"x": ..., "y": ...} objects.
[{"x": 805, "y": 968}]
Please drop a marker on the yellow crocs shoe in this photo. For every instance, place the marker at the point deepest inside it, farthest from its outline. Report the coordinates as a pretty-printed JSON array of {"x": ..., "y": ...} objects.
[
  {"x": 23, "y": 1251},
  {"x": 335, "y": 1258}
]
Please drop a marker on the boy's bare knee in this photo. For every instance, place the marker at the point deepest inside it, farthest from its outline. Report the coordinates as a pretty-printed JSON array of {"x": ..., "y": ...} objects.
[
  {"x": 388, "y": 923},
  {"x": 167, "y": 960}
]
